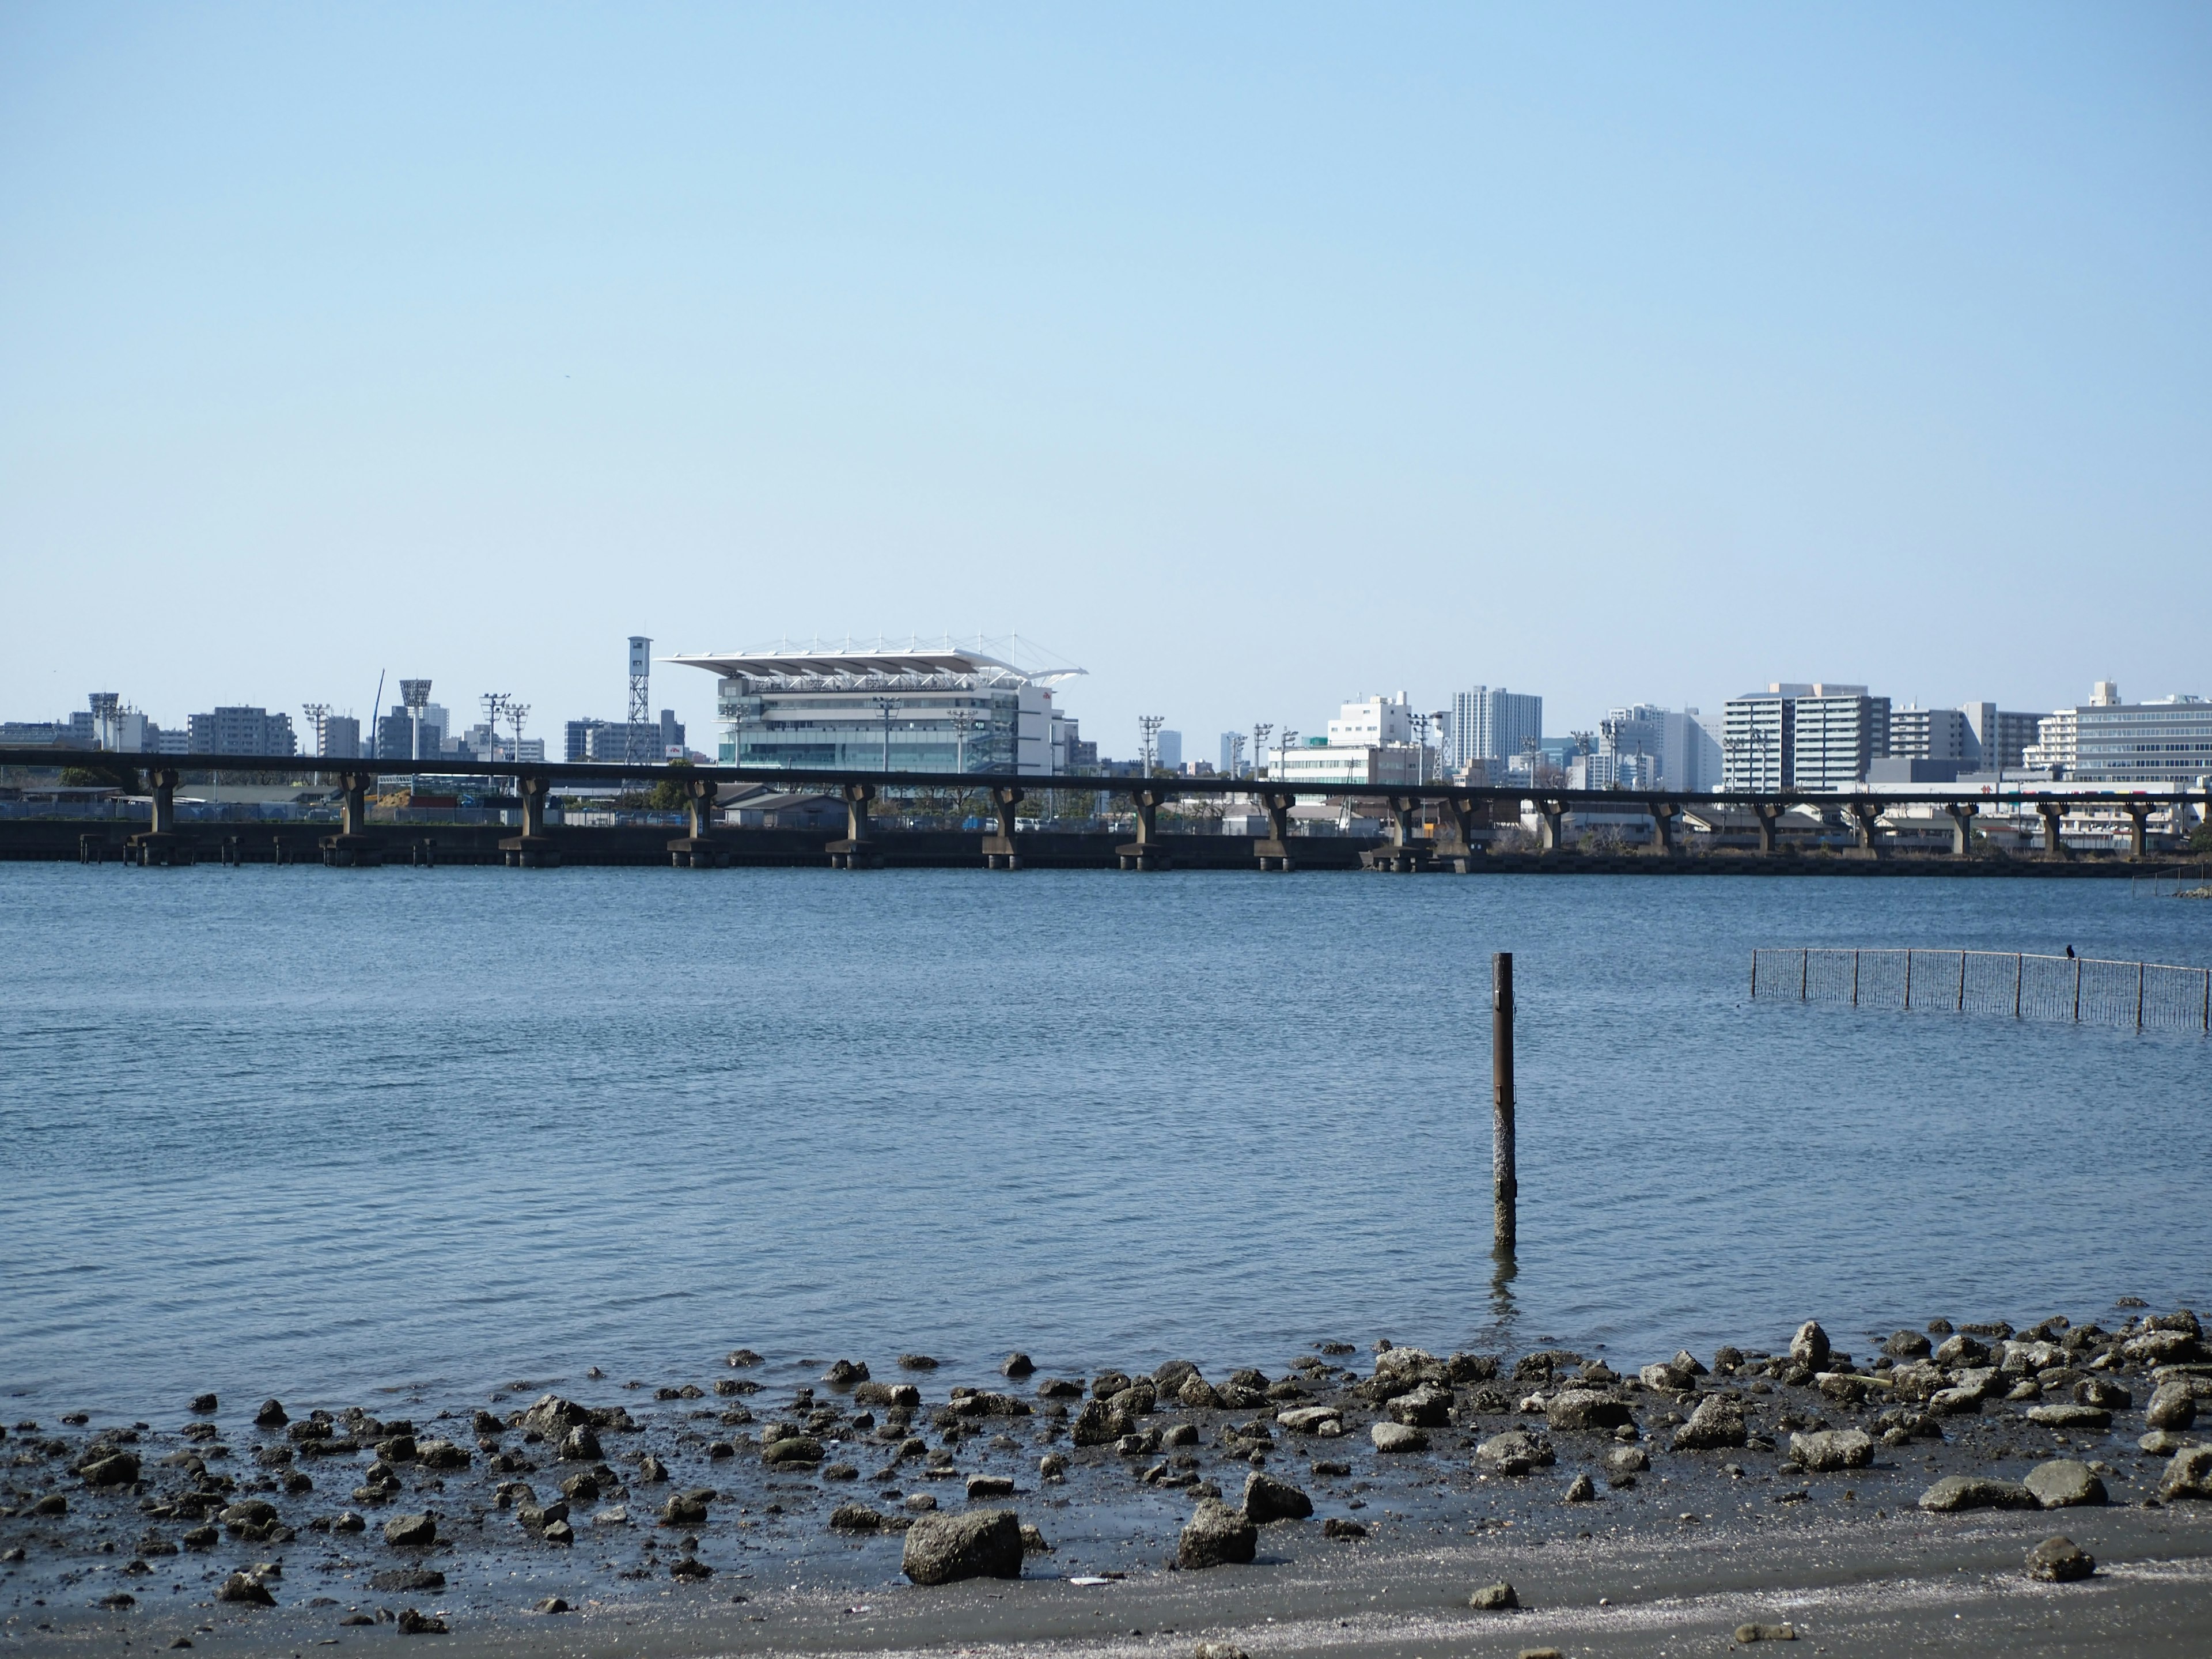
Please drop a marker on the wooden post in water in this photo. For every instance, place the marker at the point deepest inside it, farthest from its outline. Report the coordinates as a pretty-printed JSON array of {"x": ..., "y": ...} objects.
[{"x": 1504, "y": 1186}]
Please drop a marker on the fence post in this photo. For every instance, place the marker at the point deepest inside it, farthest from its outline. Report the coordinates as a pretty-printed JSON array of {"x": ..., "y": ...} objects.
[
  {"x": 2018, "y": 971},
  {"x": 1804, "y": 973},
  {"x": 2139, "y": 994},
  {"x": 1855, "y": 979},
  {"x": 2207, "y": 1000},
  {"x": 2077, "y": 990},
  {"x": 1504, "y": 1187},
  {"x": 1962, "y": 982},
  {"x": 1908, "y": 979}
]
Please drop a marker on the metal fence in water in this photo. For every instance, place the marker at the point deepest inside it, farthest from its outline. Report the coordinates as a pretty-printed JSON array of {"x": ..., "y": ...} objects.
[{"x": 2145, "y": 995}]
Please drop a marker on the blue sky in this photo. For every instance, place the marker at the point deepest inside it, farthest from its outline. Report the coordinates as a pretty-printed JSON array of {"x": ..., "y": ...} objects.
[{"x": 1253, "y": 358}]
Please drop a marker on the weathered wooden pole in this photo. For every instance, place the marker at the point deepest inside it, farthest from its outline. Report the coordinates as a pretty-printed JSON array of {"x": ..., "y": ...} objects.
[{"x": 1504, "y": 1187}]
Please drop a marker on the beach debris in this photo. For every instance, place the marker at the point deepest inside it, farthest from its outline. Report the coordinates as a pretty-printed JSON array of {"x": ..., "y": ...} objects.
[{"x": 412, "y": 1623}]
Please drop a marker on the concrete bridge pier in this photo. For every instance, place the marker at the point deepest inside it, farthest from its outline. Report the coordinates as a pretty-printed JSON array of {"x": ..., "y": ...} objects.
[
  {"x": 2138, "y": 828},
  {"x": 1145, "y": 851},
  {"x": 160, "y": 844},
  {"x": 1455, "y": 835},
  {"x": 2054, "y": 844},
  {"x": 1274, "y": 853},
  {"x": 1662, "y": 826},
  {"x": 353, "y": 847},
  {"x": 1962, "y": 827},
  {"x": 1767, "y": 817},
  {"x": 1401, "y": 855},
  {"x": 1000, "y": 850},
  {"x": 1863, "y": 815},
  {"x": 534, "y": 849},
  {"x": 699, "y": 850},
  {"x": 858, "y": 850},
  {"x": 1553, "y": 815}
]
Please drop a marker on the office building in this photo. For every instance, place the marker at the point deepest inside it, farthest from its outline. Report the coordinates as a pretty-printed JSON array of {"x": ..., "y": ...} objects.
[
  {"x": 609, "y": 743},
  {"x": 341, "y": 738},
  {"x": 1818, "y": 737},
  {"x": 1493, "y": 724},
  {"x": 241, "y": 731},
  {"x": 1368, "y": 742},
  {"x": 1167, "y": 752},
  {"x": 926, "y": 709},
  {"x": 2106, "y": 741}
]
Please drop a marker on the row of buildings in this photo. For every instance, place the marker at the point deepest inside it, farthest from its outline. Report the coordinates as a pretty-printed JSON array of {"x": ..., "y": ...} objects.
[{"x": 951, "y": 710}]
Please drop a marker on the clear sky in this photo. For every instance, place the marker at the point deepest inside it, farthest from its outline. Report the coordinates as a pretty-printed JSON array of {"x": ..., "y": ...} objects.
[{"x": 1253, "y": 358}]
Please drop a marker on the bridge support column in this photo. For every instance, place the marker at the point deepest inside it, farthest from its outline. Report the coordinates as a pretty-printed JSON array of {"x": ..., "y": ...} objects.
[
  {"x": 858, "y": 850},
  {"x": 1145, "y": 852},
  {"x": 1552, "y": 814},
  {"x": 1962, "y": 814},
  {"x": 699, "y": 850},
  {"x": 1400, "y": 855},
  {"x": 534, "y": 849},
  {"x": 2054, "y": 843},
  {"x": 1767, "y": 817},
  {"x": 161, "y": 844},
  {"x": 353, "y": 847},
  {"x": 2138, "y": 828},
  {"x": 1662, "y": 826},
  {"x": 999, "y": 852},
  {"x": 1863, "y": 814},
  {"x": 1456, "y": 837},
  {"x": 1274, "y": 853}
]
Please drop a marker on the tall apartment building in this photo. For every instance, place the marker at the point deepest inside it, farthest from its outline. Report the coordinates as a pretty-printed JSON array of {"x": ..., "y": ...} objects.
[
  {"x": 1815, "y": 737},
  {"x": 1937, "y": 734},
  {"x": 1491, "y": 725},
  {"x": 1998, "y": 737},
  {"x": 241, "y": 731},
  {"x": 609, "y": 741},
  {"x": 1651, "y": 746},
  {"x": 341, "y": 738}
]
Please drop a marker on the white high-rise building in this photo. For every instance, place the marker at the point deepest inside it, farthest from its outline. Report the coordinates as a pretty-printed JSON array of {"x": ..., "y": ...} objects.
[
  {"x": 2168, "y": 740},
  {"x": 1818, "y": 737},
  {"x": 1655, "y": 747},
  {"x": 1491, "y": 725}
]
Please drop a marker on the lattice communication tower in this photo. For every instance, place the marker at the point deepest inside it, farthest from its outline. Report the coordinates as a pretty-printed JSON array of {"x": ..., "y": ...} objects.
[{"x": 640, "y": 700}]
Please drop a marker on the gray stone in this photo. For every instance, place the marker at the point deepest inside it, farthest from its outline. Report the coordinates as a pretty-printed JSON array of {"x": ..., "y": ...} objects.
[
  {"x": 686, "y": 1509},
  {"x": 410, "y": 1530},
  {"x": 2070, "y": 1416},
  {"x": 2065, "y": 1483},
  {"x": 2173, "y": 1407},
  {"x": 249, "y": 1512},
  {"x": 1017, "y": 1365},
  {"x": 408, "y": 1578},
  {"x": 1717, "y": 1421},
  {"x": 2189, "y": 1475},
  {"x": 1954, "y": 1402},
  {"x": 1586, "y": 1409},
  {"x": 1217, "y": 1536},
  {"x": 1515, "y": 1452},
  {"x": 989, "y": 1486},
  {"x": 1494, "y": 1598},
  {"x": 1809, "y": 1346},
  {"x": 441, "y": 1454},
  {"x": 1267, "y": 1499},
  {"x": 791, "y": 1449},
  {"x": 1426, "y": 1407},
  {"x": 1954, "y": 1493},
  {"x": 1627, "y": 1459},
  {"x": 1397, "y": 1437},
  {"x": 1906, "y": 1345},
  {"x": 252, "y": 1592},
  {"x": 1667, "y": 1378},
  {"x": 1747, "y": 1634},
  {"x": 855, "y": 1518},
  {"x": 121, "y": 1469},
  {"x": 1961, "y": 1350},
  {"x": 1581, "y": 1490},
  {"x": 942, "y": 1549},
  {"x": 2161, "y": 1443},
  {"x": 1826, "y": 1450},
  {"x": 2103, "y": 1391},
  {"x": 2060, "y": 1560},
  {"x": 580, "y": 1445},
  {"x": 1198, "y": 1395},
  {"x": 1308, "y": 1420}
]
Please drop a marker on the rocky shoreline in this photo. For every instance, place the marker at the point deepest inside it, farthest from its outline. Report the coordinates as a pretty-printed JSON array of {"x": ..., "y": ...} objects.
[{"x": 537, "y": 1501}]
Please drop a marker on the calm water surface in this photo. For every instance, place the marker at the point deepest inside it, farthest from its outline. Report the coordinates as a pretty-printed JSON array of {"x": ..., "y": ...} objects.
[{"x": 317, "y": 1133}]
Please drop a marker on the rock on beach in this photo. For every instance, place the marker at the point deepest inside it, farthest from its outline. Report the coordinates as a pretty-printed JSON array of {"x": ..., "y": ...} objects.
[
  {"x": 943, "y": 1549},
  {"x": 1267, "y": 1499},
  {"x": 1217, "y": 1536},
  {"x": 1954, "y": 1493},
  {"x": 2065, "y": 1483},
  {"x": 1826, "y": 1450},
  {"x": 1718, "y": 1420}
]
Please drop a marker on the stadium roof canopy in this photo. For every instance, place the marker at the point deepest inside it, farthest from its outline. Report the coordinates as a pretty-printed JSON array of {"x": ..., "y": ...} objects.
[{"x": 815, "y": 662}]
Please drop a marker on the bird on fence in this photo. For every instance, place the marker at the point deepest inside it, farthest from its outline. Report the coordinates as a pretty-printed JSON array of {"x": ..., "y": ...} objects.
[{"x": 2069, "y": 953}]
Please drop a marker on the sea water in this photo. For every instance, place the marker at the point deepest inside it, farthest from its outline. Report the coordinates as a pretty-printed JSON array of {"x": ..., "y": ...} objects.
[{"x": 320, "y": 1132}]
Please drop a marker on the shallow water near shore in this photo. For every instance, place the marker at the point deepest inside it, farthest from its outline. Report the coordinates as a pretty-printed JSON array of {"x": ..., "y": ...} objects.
[{"x": 293, "y": 1130}]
